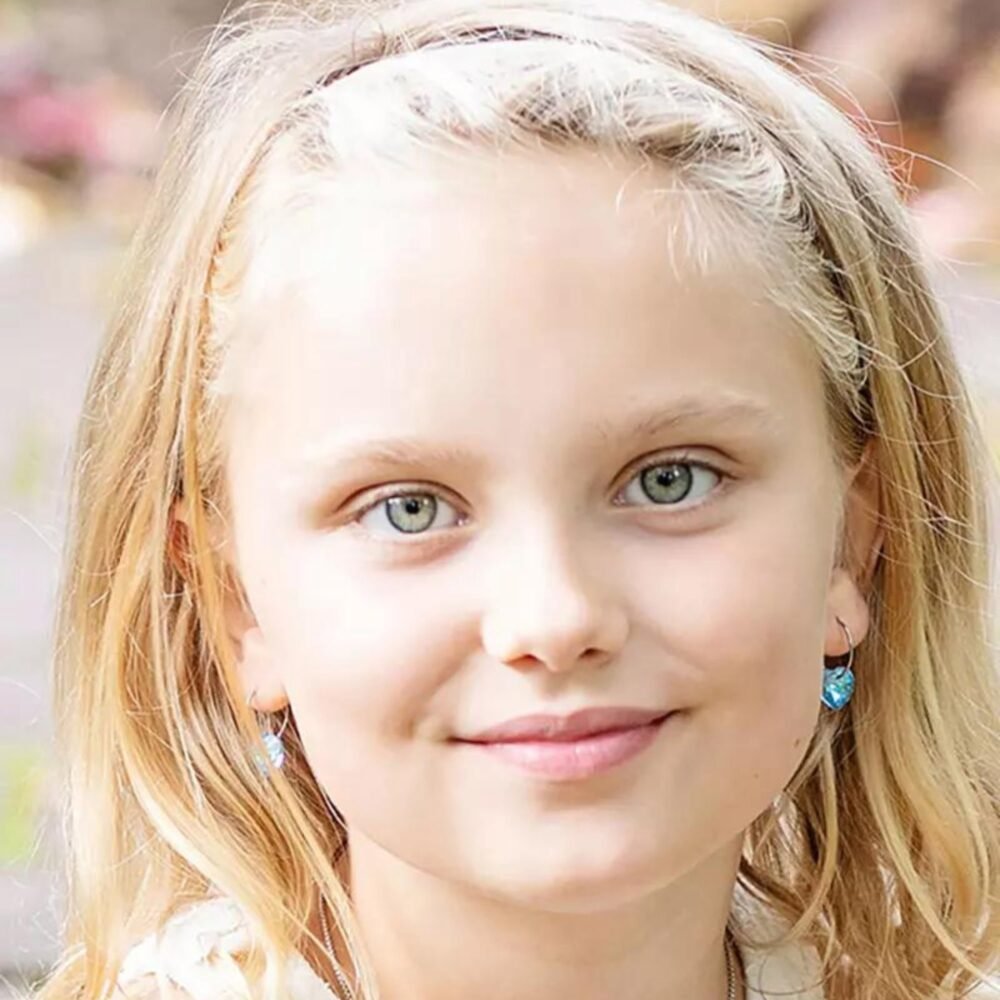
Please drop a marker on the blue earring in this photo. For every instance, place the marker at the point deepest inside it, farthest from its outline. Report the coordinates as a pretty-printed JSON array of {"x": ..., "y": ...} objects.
[
  {"x": 838, "y": 682},
  {"x": 273, "y": 745}
]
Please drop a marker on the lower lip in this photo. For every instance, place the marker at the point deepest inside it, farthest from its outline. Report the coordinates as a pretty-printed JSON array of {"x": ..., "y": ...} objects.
[{"x": 573, "y": 759}]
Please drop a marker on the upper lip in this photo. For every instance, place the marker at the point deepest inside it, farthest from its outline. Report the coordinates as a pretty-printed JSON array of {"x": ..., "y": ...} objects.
[{"x": 562, "y": 728}]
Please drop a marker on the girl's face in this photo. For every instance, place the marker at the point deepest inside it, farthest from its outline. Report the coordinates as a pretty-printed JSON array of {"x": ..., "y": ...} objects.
[{"x": 621, "y": 494}]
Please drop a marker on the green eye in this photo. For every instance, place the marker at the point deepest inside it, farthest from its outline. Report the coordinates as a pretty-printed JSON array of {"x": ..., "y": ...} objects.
[
  {"x": 665, "y": 483},
  {"x": 411, "y": 513}
]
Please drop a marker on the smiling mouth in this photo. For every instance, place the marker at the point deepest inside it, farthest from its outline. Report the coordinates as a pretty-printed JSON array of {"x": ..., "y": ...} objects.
[
  {"x": 581, "y": 723},
  {"x": 567, "y": 759}
]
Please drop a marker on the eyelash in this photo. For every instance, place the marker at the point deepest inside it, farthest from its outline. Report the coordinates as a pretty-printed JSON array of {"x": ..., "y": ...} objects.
[{"x": 667, "y": 461}]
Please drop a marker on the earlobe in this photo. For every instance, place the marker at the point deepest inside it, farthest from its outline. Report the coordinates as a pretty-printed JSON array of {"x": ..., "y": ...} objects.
[
  {"x": 846, "y": 602},
  {"x": 254, "y": 665},
  {"x": 862, "y": 536},
  {"x": 257, "y": 672}
]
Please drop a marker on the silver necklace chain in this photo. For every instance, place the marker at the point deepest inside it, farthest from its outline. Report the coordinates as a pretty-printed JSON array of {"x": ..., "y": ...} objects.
[
  {"x": 731, "y": 959},
  {"x": 341, "y": 978}
]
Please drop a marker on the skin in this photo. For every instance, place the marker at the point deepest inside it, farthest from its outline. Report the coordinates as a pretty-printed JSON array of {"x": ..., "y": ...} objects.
[{"x": 502, "y": 310}]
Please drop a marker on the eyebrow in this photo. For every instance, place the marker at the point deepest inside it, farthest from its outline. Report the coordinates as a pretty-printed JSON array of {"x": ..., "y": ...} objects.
[{"x": 729, "y": 410}]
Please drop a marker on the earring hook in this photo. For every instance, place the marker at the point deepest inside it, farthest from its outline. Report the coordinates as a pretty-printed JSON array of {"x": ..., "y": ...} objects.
[{"x": 850, "y": 643}]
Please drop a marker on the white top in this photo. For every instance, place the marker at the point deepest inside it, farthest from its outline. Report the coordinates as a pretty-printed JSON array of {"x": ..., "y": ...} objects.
[{"x": 194, "y": 952}]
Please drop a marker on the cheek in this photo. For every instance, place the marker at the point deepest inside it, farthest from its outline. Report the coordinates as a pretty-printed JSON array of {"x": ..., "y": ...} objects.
[
  {"x": 741, "y": 616},
  {"x": 363, "y": 658},
  {"x": 746, "y": 602},
  {"x": 764, "y": 628},
  {"x": 355, "y": 644}
]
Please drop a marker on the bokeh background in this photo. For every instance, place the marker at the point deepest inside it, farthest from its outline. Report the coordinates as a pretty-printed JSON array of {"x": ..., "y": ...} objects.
[{"x": 84, "y": 87}]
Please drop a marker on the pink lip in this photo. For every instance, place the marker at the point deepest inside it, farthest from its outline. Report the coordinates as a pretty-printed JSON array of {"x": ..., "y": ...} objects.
[
  {"x": 574, "y": 759},
  {"x": 565, "y": 728}
]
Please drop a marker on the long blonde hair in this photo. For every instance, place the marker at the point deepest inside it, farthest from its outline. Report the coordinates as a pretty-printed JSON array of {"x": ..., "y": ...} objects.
[{"x": 884, "y": 850}]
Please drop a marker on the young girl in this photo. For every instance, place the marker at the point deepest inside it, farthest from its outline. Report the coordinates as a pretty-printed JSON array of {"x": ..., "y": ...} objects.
[{"x": 529, "y": 536}]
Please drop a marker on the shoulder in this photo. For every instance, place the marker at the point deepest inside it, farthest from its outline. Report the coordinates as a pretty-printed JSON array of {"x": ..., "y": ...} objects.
[
  {"x": 792, "y": 971},
  {"x": 987, "y": 990},
  {"x": 192, "y": 955},
  {"x": 195, "y": 956},
  {"x": 150, "y": 988}
]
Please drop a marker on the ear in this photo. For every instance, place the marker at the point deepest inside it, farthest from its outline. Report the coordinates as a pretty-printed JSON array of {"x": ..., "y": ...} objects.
[
  {"x": 862, "y": 537},
  {"x": 255, "y": 667},
  {"x": 863, "y": 529}
]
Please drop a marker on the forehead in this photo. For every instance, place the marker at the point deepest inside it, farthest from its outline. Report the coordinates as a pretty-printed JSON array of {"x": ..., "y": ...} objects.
[
  {"x": 539, "y": 203},
  {"x": 492, "y": 296}
]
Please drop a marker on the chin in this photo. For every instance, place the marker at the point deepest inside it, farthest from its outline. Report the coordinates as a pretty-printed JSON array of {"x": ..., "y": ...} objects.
[{"x": 577, "y": 888}]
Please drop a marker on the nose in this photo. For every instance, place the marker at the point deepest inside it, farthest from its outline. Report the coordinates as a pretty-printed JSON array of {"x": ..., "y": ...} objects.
[{"x": 551, "y": 607}]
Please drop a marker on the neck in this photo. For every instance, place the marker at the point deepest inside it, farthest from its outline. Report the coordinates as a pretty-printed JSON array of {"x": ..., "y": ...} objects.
[{"x": 662, "y": 944}]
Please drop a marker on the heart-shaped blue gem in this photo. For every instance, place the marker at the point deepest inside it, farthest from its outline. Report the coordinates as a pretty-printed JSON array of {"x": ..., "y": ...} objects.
[
  {"x": 838, "y": 686},
  {"x": 275, "y": 753}
]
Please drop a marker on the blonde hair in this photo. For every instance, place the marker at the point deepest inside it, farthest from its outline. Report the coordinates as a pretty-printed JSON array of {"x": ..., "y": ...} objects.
[{"x": 884, "y": 850}]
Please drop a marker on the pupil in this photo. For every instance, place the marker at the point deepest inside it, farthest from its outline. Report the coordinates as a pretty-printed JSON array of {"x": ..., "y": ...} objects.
[
  {"x": 402, "y": 510},
  {"x": 674, "y": 478}
]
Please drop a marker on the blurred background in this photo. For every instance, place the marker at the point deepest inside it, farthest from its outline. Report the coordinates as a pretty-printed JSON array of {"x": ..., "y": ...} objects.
[{"x": 84, "y": 85}]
